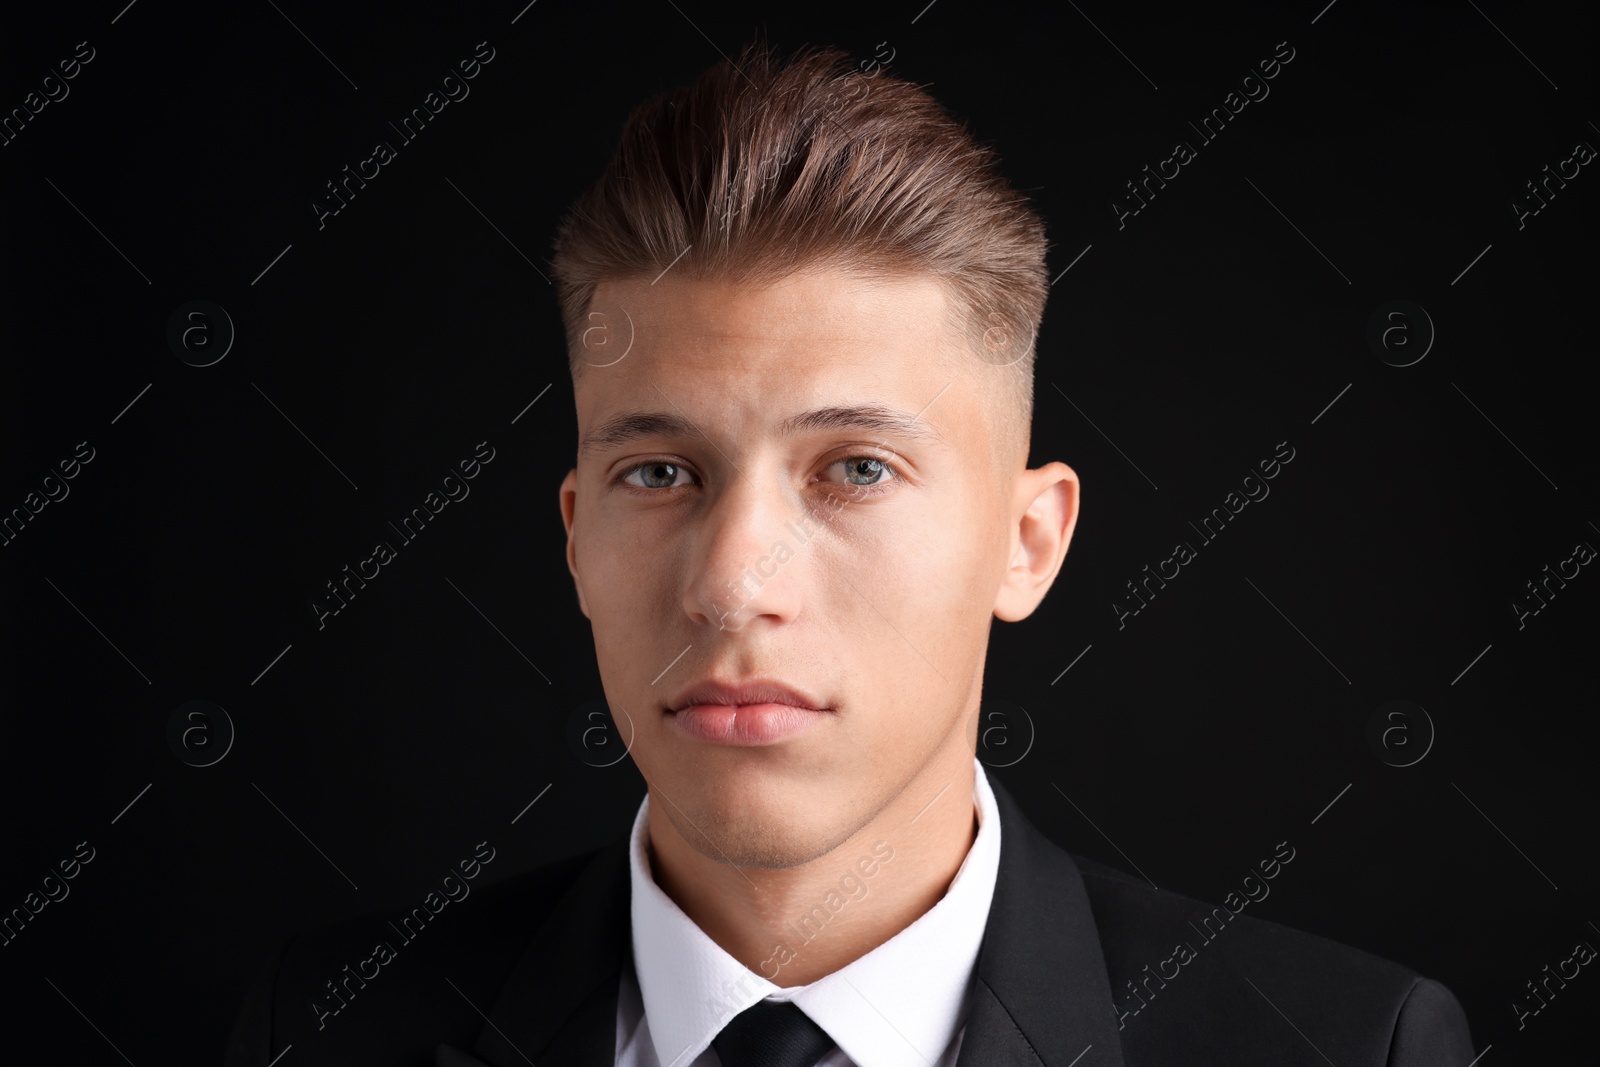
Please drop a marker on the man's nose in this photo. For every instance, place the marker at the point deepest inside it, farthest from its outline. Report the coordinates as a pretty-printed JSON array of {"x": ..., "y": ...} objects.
[{"x": 747, "y": 554}]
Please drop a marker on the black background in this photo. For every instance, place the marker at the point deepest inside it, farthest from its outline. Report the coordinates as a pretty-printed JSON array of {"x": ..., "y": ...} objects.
[{"x": 377, "y": 351}]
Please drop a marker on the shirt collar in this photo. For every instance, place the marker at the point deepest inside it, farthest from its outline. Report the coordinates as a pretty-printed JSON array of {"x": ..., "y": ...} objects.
[{"x": 909, "y": 991}]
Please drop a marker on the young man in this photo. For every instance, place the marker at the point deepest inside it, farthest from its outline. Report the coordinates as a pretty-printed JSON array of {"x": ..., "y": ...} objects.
[{"x": 800, "y": 305}]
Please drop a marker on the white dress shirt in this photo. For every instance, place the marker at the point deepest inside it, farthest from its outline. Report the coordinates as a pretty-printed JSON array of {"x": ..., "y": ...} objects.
[{"x": 905, "y": 1002}]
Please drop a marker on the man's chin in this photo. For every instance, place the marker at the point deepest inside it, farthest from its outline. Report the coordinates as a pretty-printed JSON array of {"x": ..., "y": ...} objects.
[
  {"x": 753, "y": 820},
  {"x": 764, "y": 853}
]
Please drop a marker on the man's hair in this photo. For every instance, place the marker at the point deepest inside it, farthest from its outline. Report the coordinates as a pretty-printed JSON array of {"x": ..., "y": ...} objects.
[{"x": 762, "y": 167}]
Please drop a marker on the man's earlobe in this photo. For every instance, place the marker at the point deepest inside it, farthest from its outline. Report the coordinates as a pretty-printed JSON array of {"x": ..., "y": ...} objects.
[{"x": 1046, "y": 514}]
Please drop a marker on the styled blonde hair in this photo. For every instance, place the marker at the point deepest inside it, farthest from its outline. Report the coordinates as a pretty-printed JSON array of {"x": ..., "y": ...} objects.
[{"x": 761, "y": 167}]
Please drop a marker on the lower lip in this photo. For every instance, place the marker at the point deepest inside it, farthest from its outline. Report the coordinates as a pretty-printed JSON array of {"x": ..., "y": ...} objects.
[{"x": 745, "y": 724}]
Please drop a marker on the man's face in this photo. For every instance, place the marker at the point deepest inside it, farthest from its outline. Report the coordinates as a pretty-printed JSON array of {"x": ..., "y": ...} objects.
[{"x": 734, "y": 550}]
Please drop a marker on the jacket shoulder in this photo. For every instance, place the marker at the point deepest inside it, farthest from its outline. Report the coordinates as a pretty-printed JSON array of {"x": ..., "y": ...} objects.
[
  {"x": 1232, "y": 987},
  {"x": 376, "y": 988}
]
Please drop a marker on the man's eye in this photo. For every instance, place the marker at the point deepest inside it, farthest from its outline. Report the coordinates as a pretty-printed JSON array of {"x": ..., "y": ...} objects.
[
  {"x": 866, "y": 470},
  {"x": 653, "y": 476},
  {"x": 859, "y": 471}
]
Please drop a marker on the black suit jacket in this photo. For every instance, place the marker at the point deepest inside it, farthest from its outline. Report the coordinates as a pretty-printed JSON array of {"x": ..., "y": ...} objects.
[{"x": 527, "y": 971}]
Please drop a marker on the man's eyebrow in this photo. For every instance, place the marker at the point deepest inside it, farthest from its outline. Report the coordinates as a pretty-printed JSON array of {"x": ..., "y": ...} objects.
[
  {"x": 872, "y": 418},
  {"x": 633, "y": 425}
]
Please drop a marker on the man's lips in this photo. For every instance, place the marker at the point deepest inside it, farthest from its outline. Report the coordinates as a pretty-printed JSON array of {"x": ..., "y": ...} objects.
[
  {"x": 746, "y": 724},
  {"x": 752, "y": 690},
  {"x": 752, "y": 711}
]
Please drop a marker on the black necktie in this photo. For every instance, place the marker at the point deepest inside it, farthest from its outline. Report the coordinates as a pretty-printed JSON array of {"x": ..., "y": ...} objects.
[{"x": 771, "y": 1033}]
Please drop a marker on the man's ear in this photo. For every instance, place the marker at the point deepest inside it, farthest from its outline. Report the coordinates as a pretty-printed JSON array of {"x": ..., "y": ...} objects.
[
  {"x": 1044, "y": 513},
  {"x": 569, "y": 508}
]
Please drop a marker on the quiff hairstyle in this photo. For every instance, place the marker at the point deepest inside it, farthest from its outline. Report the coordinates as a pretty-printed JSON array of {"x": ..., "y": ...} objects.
[{"x": 761, "y": 167}]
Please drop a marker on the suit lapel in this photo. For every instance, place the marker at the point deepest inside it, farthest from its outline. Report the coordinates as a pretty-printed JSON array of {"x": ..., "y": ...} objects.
[
  {"x": 1040, "y": 994},
  {"x": 560, "y": 1003}
]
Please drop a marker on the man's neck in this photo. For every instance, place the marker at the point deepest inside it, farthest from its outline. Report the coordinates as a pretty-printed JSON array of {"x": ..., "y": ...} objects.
[{"x": 794, "y": 925}]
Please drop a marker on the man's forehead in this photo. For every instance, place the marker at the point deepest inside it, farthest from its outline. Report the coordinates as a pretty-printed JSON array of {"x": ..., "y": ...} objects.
[
  {"x": 828, "y": 333},
  {"x": 870, "y": 419},
  {"x": 809, "y": 354}
]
